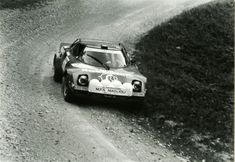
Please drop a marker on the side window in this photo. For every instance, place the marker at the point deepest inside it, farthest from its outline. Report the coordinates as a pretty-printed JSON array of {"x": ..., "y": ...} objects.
[
  {"x": 73, "y": 50},
  {"x": 81, "y": 49},
  {"x": 77, "y": 49}
]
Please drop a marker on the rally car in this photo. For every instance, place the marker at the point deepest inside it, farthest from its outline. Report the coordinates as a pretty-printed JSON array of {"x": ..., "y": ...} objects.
[{"x": 90, "y": 67}]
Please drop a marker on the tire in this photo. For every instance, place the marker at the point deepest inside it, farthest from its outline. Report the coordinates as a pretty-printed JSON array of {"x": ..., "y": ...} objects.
[
  {"x": 57, "y": 74},
  {"x": 66, "y": 91}
]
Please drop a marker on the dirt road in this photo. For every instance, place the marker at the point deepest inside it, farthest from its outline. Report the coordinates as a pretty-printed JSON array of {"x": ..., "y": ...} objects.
[{"x": 35, "y": 123}]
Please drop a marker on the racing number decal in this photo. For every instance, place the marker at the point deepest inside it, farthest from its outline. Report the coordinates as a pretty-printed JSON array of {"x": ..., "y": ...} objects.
[{"x": 109, "y": 77}]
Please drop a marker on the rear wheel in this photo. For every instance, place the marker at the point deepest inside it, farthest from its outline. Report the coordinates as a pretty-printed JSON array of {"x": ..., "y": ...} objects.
[
  {"x": 57, "y": 74},
  {"x": 66, "y": 91}
]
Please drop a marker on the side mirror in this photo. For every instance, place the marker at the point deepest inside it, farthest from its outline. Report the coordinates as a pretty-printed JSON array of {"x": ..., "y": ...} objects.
[{"x": 133, "y": 60}]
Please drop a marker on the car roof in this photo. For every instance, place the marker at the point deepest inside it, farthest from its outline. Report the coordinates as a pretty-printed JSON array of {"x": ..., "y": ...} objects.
[{"x": 96, "y": 43}]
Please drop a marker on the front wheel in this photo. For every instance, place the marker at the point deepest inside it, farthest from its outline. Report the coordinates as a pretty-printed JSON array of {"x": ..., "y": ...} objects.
[
  {"x": 66, "y": 91},
  {"x": 57, "y": 74}
]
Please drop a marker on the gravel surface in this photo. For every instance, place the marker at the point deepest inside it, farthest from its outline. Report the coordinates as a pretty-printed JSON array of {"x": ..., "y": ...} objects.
[{"x": 35, "y": 123}]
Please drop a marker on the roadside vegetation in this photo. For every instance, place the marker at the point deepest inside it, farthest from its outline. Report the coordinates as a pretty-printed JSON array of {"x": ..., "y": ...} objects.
[
  {"x": 189, "y": 64},
  {"x": 24, "y": 4}
]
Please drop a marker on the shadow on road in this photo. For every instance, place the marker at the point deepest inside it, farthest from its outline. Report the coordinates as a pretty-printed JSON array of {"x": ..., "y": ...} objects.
[{"x": 124, "y": 107}]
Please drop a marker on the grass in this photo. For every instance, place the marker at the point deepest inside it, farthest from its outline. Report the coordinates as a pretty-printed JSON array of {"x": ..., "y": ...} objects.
[
  {"x": 24, "y": 4},
  {"x": 189, "y": 65}
]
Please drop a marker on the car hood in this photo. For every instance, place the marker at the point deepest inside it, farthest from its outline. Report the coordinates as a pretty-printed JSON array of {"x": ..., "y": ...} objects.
[{"x": 126, "y": 74}]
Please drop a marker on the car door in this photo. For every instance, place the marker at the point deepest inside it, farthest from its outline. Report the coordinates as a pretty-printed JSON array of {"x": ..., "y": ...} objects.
[
  {"x": 70, "y": 55},
  {"x": 65, "y": 58}
]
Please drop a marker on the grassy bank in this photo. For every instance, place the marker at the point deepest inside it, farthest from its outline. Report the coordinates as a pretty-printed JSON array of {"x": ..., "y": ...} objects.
[
  {"x": 24, "y": 4},
  {"x": 189, "y": 64}
]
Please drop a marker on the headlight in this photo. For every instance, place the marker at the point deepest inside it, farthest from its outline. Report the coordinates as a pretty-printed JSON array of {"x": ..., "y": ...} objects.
[
  {"x": 83, "y": 80},
  {"x": 137, "y": 85}
]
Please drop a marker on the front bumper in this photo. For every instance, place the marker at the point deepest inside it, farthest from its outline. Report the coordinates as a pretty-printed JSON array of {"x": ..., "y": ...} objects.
[{"x": 83, "y": 92}]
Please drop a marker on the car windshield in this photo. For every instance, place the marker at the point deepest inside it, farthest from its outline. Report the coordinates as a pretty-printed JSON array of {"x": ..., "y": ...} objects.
[{"x": 111, "y": 58}]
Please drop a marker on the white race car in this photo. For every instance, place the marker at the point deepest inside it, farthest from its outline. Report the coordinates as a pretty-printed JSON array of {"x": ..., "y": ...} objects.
[{"x": 98, "y": 68}]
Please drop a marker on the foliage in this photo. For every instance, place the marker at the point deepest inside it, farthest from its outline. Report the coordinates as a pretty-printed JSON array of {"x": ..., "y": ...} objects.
[
  {"x": 25, "y": 4},
  {"x": 189, "y": 65}
]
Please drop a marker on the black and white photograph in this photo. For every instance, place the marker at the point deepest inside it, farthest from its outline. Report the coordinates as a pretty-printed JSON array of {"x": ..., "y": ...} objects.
[{"x": 117, "y": 80}]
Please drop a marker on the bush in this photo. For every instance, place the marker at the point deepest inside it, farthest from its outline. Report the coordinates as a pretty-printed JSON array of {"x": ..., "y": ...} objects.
[{"x": 13, "y": 4}]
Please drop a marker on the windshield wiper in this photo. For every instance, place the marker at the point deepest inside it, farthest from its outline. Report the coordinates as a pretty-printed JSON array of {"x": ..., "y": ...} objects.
[{"x": 103, "y": 64}]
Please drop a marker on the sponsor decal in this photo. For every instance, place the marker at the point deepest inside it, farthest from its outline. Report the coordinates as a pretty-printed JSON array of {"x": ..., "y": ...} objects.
[
  {"x": 110, "y": 84},
  {"x": 109, "y": 90}
]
